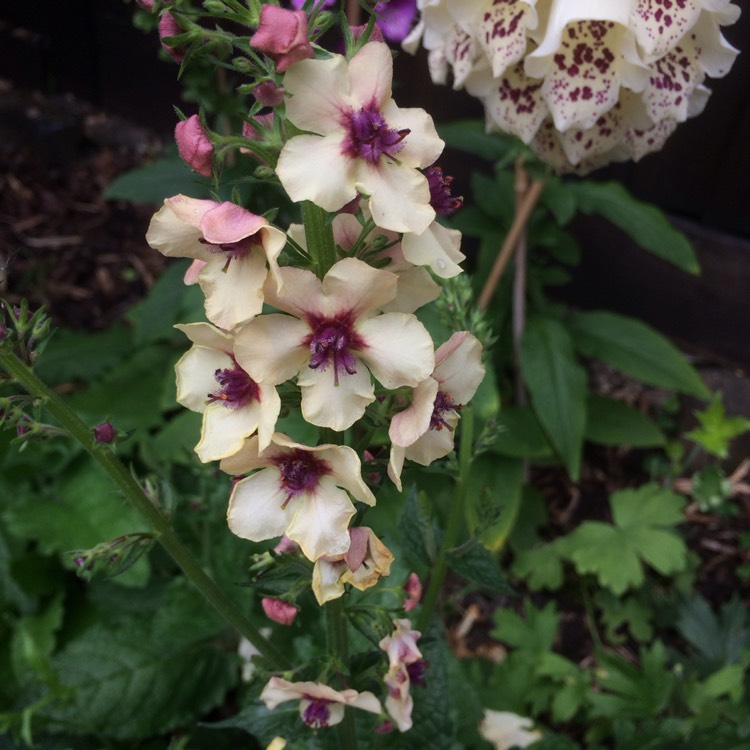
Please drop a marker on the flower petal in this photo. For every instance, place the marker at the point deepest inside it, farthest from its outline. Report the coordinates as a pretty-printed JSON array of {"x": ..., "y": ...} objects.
[
  {"x": 346, "y": 470},
  {"x": 436, "y": 247},
  {"x": 409, "y": 425},
  {"x": 255, "y": 507},
  {"x": 370, "y": 75},
  {"x": 458, "y": 366},
  {"x": 196, "y": 376},
  {"x": 224, "y": 430}
]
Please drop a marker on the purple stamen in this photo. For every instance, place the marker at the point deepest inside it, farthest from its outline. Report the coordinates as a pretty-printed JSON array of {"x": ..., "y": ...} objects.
[
  {"x": 316, "y": 714},
  {"x": 443, "y": 403},
  {"x": 368, "y": 136},
  {"x": 300, "y": 472},
  {"x": 331, "y": 343},
  {"x": 440, "y": 192},
  {"x": 237, "y": 387},
  {"x": 416, "y": 672}
]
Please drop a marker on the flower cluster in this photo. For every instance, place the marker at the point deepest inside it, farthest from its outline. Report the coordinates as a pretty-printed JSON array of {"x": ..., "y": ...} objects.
[{"x": 582, "y": 83}]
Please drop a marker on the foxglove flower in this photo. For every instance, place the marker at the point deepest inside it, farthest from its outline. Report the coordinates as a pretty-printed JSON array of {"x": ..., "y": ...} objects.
[
  {"x": 234, "y": 406},
  {"x": 424, "y": 431},
  {"x": 362, "y": 566},
  {"x": 581, "y": 83},
  {"x": 333, "y": 339},
  {"x": 358, "y": 140},
  {"x": 506, "y": 730},
  {"x": 319, "y": 705},
  {"x": 298, "y": 491},
  {"x": 235, "y": 246}
]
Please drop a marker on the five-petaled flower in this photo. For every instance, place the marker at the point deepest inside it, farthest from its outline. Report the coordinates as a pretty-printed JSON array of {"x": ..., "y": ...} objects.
[
  {"x": 319, "y": 705},
  {"x": 296, "y": 490},
  {"x": 235, "y": 245},
  {"x": 334, "y": 338},
  {"x": 358, "y": 140},
  {"x": 233, "y": 405}
]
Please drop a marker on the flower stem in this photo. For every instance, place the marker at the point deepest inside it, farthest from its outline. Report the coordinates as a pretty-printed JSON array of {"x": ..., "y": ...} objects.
[
  {"x": 319, "y": 236},
  {"x": 338, "y": 647},
  {"x": 454, "y": 520},
  {"x": 135, "y": 495}
]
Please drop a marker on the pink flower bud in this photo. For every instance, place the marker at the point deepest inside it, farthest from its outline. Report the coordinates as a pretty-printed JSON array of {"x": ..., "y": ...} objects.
[
  {"x": 269, "y": 94},
  {"x": 279, "y": 611},
  {"x": 282, "y": 35},
  {"x": 194, "y": 145},
  {"x": 146, "y": 5},
  {"x": 168, "y": 26},
  {"x": 105, "y": 433},
  {"x": 286, "y": 546},
  {"x": 413, "y": 589},
  {"x": 375, "y": 36}
]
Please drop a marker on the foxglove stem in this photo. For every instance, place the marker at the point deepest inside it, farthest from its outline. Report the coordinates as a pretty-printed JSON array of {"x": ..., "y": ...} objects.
[
  {"x": 319, "y": 237},
  {"x": 455, "y": 514},
  {"x": 125, "y": 482}
]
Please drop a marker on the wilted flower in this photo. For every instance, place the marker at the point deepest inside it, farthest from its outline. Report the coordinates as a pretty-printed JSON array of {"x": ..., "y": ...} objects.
[
  {"x": 235, "y": 245},
  {"x": 360, "y": 141},
  {"x": 334, "y": 338},
  {"x": 298, "y": 491},
  {"x": 319, "y": 705},
  {"x": 581, "y": 83},
  {"x": 234, "y": 406},
  {"x": 424, "y": 431},
  {"x": 506, "y": 730}
]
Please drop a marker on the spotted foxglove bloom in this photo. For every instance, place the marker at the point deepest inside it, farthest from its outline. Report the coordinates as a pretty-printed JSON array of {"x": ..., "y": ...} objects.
[
  {"x": 235, "y": 245},
  {"x": 234, "y": 406},
  {"x": 319, "y": 705},
  {"x": 582, "y": 83},
  {"x": 506, "y": 730},
  {"x": 424, "y": 431},
  {"x": 333, "y": 339},
  {"x": 362, "y": 566},
  {"x": 298, "y": 491},
  {"x": 357, "y": 140}
]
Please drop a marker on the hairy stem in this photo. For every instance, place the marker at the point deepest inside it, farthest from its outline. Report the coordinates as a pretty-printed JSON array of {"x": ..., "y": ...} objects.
[
  {"x": 133, "y": 492},
  {"x": 319, "y": 236},
  {"x": 338, "y": 647}
]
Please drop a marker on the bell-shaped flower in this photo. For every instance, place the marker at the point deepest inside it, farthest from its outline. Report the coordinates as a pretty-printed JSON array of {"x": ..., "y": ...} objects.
[
  {"x": 235, "y": 245},
  {"x": 319, "y": 705},
  {"x": 357, "y": 140},
  {"x": 333, "y": 339},
  {"x": 506, "y": 730},
  {"x": 296, "y": 490},
  {"x": 234, "y": 406},
  {"x": 424, "y": 431},
  {"x": 362, "y": 566}
]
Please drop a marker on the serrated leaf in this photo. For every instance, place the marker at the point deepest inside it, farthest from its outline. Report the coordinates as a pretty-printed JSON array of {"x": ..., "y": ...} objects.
[
  {"x": 417, "y": 525},
  {"x": 611, "y": 422},
  {"x": 155, "y": 182},
  {"x": 535, "y": 634},
  {"x": 645, "y": 223},
  {"x": 477, "y": 565},
  {"x": 635, "y": 349},
  {"x": 541, "y": 567},
  {"x": 557, "y": 387},
  {"x": 616, "y": 553},
  {"x": 717, "y": 430}
]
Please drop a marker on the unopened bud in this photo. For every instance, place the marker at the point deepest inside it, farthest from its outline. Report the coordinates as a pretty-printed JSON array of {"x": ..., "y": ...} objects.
[
  {"x": 279, "y": 611},
  {"x": 105, "y": 433}
]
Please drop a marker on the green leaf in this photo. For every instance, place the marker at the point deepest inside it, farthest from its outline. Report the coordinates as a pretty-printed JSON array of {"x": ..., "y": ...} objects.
[
  {"x": 535, "y": 634},
  {"x": 616, "y": 553},
  {"x": 155, "y": 182},
  {"x": 469, "y": 135},
  {"x": 33, "y": 641},
  {"x": 477, "y": 564},
  {"x": 630, "y": 612},
  {"x": 417, "y": 525},
  {"x": 716, "y": 429},
  {"x": 645, "y": 223},
  {"x": 635, "y": 349},
  {"x": 521, "y": 435},
  {"x": 542, "y": 567},
  {"x": 611, "y": 422},
  {"x": 711, "y": 488},
  {"x": 557, "y": 387}
]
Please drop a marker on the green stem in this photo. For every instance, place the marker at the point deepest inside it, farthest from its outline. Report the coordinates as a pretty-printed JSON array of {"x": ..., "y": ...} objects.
[
  {"x": 135, "y": 495},
  {"x": 319, "y": 236},
  {"x": 454, "y": 521},
  {"x": 338, "y": 647}
]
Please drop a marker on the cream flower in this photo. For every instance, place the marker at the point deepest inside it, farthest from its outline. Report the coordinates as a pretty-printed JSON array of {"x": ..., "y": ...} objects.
[
  {"x": 235, "y": 246},
  {"x": 334, "y": 338},
  {"x": 424, "y": 431},
  {"x": 298, "y": 491},
  {"x": 506, "y": 730},
  {"x": 359, "y": 141},
  {"x": 362, "y": 566},
  {"x": 319, "y": 705},
  {"x": 234, "y": 406},
  {"x": 401, "y": 645}
]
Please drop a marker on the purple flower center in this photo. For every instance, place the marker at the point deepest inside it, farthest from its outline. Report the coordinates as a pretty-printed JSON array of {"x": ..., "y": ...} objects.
[
  {"x": 443, "y": 403},
  {"x": 300, "y": 472},
  {"x": 237, "y": 388},
  {"x": 416, "y": 672},
  {"x": 368, "y": 136},
  {"x": 331, "y": 343},
  {"x": 316, "y": 714},
  {"x": 440, "y": 192},
  {"x": 233, "y": 250}
]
